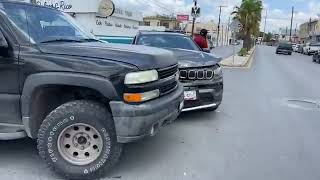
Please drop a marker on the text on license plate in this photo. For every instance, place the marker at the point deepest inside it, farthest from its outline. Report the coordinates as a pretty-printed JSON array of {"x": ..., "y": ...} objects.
[{"x": 190, "y": 95}]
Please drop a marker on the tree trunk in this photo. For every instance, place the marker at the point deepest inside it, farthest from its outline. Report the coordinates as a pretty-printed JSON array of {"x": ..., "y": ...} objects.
[{"x": 247, "y": 41}]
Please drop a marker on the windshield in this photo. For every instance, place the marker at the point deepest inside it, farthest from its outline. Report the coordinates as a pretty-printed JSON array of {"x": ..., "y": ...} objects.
[
  {"x": 285, "y": 45},
  {"x": 168, "y": 41},
  {"x": 43, "y": 24}
]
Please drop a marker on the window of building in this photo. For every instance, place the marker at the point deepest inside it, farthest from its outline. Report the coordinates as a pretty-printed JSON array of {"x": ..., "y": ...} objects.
[
  {"x": 165, "y": 24},
  {"x": 147, "y": 23}
]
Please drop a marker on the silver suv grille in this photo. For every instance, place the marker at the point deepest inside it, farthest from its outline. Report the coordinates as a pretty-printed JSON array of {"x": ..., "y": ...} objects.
[{"x": 196, "y": 74}]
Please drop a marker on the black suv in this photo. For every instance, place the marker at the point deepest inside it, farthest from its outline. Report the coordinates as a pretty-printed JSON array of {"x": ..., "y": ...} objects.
[
  {"x": 200, "y": 72},
  {"x": 80, "y": 98},
  {"x": 284, "y": 48}
]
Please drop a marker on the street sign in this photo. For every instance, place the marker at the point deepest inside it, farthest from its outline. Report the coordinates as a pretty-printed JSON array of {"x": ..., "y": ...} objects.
[
  {"x": 182, "y": 18},
  {"x": 195, "y": 12}
]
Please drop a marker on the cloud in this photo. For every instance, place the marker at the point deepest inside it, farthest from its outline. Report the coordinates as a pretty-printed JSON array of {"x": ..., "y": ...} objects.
[{"x": 277, "y": 18}]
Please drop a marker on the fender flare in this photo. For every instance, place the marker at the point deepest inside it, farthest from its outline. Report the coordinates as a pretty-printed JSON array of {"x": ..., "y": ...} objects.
[{"x": 34, "y": 81}]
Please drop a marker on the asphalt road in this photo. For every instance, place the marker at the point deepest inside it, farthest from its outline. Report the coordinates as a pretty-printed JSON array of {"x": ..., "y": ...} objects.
[{"x": 262, "y": 131}]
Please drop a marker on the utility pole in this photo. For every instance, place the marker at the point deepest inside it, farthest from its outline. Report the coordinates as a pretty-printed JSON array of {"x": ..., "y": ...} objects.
[
  {"x": 193, "y": 20},
  {"x": 286, "y": 31},
  {"x": 309, "y": 30},
  {"x": 291, "y": 24},
  {"x": 265, "y": 24},
  {"x": 220, "y": 7},
  {"x": 228, "y": 29},
  {"x": 222, "y": 34}
]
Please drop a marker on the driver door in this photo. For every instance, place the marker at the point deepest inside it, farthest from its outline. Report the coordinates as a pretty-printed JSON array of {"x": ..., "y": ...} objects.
[{"x": 9, "y": 83}]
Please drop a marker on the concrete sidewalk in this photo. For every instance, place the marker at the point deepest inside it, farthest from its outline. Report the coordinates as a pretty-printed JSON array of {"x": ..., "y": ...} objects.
[
  {"x": 238, "y": 61},
  {"x": 226, "y": 51}
]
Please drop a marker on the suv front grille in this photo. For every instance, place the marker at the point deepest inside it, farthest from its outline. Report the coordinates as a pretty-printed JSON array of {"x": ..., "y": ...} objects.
[
  {"x": 168, "y": 77},
  {"x": 168, "y": 71},
  {"x": 168, "y": 88},
  {"x": 196, "y": 74}
]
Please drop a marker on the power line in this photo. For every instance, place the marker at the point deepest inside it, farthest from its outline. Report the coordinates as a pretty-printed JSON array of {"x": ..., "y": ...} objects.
[
  {"x": 153, "y": 5},
  {"x": 161, "y": 5}
]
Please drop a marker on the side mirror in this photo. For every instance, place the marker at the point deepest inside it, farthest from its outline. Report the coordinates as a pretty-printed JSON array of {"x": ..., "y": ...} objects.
[{"x": 3, "y": 41}]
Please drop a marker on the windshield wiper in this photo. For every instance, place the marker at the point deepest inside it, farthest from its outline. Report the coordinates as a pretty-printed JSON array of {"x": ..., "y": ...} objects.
[
  {"x": 89, "y": 40},
  {"x": 61, "y": 40}
]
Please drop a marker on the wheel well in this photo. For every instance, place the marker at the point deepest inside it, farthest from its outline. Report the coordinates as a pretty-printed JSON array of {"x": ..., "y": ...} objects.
[{"x": 47, "y": 98}]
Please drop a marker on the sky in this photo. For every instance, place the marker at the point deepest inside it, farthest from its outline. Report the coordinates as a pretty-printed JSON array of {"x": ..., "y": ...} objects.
[{"x": 279, "y": 11}]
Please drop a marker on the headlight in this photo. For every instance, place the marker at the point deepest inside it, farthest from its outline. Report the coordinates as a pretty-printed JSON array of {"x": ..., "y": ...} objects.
[
  {"x": 217, "y": 72},
  {"x": 141, "y": 77},
  {"x": 141, "y": 97}
]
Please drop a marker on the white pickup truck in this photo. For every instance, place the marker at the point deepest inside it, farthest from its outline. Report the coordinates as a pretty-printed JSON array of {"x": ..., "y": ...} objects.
[{"x": 311, "y": 48}]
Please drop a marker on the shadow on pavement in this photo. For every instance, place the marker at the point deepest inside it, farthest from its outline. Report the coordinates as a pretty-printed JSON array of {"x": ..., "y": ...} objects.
[{"x": 22, "y": 160}]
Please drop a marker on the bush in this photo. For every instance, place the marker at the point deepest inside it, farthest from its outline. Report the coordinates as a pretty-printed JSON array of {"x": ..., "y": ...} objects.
[{"x": 243, "y": 52}]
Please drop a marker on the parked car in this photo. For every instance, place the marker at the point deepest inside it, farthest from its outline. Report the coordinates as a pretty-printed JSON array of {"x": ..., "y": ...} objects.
[
  {"x": 200, "y": 72},
  {"x": 296, "y": 47},
  {"x": 300, "y": 49},
  {"x": 284, "y": 48},
  {"x": 79, "y": 97},
  {"x": 311, "y": 48},
  {"x": 316, "y": 57}
]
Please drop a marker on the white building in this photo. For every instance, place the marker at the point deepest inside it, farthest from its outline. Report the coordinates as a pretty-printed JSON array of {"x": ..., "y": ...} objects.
[{"x": 121, "y": 27}]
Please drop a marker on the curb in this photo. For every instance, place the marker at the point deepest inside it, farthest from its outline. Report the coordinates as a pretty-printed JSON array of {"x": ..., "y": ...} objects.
[{"x": 246, "y": 65}]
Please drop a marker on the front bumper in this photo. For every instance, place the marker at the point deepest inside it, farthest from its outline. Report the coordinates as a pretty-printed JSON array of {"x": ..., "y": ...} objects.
[
  {"x": 312, "y": 51},
  {"x": 209, "y": 94},
  {"x": 134, "y": 122},
  {"x": 284, "y": 51}
]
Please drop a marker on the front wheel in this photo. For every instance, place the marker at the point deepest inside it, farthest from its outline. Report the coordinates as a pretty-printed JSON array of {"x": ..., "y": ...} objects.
[{"x": 78, "y": 140}]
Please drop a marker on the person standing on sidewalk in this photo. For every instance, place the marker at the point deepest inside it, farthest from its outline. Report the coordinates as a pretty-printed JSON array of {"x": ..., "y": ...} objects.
[{"x": 201, "y": 39}]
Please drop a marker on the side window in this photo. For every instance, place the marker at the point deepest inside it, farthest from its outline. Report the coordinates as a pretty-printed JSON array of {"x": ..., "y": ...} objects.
[
  {"x": 4, "y": 47},
  {"x": 16, "y": 15}
]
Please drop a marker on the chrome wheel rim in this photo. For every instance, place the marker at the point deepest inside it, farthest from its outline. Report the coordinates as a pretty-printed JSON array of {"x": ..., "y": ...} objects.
[{"x": 80, "y": 144}]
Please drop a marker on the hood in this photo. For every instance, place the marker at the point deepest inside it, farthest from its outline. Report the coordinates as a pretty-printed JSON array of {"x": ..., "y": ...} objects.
[
  {"x": 142, "y": 57},
  {"x": 189, "y": 58}
]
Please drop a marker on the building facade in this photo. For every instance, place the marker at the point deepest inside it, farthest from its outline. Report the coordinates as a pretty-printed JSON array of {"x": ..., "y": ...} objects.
[
  {"x": 310, "y": 31},
  {"x": 166, "y": 21},
  {"x": 121, "y": 27}
]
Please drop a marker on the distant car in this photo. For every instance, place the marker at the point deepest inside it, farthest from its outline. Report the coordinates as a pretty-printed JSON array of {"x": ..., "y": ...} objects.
[
  {"x": 311, "y": 48},
  {"x": 284, "y": 48},
  {"x": 296, "y": 47},
  {"x": 316, "y": 57},
  {"x": 200, "y": 73},
  {"x": 300, "y": 49}
]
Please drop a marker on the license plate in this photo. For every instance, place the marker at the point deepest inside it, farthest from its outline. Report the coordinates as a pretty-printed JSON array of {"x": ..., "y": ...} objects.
[{"x": 190, "y": 95}]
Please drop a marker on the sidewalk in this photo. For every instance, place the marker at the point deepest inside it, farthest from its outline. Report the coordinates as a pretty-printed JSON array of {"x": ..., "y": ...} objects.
[
  {"x": 238, "y": 61},
  {"x": 225, "y": 51}
]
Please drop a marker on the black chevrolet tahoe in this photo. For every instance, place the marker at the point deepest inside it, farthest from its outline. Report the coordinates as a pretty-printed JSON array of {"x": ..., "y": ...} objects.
[{"x": 81, "y": 99}]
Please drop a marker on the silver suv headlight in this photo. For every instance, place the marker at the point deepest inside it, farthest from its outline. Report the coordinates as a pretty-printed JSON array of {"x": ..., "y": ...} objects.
[
  {"x": 141, "y": 77},
  {"x": 217, "y": 72}
]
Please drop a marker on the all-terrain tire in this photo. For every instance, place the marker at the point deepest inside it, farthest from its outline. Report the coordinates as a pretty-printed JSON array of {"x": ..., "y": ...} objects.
[{"x": 92, "y": 114}]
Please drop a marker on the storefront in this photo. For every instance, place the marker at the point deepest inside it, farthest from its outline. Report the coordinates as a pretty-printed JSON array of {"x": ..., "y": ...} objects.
[{"x": 121, "y": 27}]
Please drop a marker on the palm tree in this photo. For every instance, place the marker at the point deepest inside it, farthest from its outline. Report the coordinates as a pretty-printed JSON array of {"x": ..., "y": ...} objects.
[{"x": 249, "y": 15}]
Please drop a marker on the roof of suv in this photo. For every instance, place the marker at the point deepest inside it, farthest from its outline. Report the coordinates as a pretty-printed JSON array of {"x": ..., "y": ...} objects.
[{"x": 160, "y": 33}]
